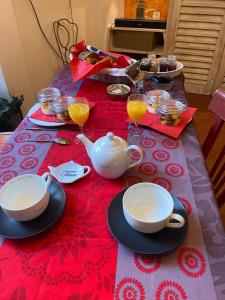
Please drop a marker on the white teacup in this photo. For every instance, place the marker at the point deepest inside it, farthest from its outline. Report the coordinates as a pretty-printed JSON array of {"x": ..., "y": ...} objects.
[
  {"x": 148, "y": 208},
  {"x": 25, "y": 197}
]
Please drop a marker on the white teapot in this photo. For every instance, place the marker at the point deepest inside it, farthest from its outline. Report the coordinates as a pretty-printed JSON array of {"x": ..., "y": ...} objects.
[{"x": 110, "y": 155}]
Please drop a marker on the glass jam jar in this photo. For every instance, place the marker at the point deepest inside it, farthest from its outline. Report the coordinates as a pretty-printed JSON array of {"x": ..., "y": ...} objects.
[
  {"x": 60, "y": 108},
  {"x": 170, "y": 112},
  {"x": 163, "y": 64},
  {"x": 154, "y": 65},
  {"x": 46, "y": 97},
  {"x": 172, "y": 62},
  {"x": 145, "y": 64},
  {"x": 154, "y": 98}
]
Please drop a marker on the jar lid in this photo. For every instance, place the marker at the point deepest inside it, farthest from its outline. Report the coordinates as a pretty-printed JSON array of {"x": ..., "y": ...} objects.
[
  {"x": 163, "y": 59},
  {"x": 171, "y": 106},
  {"x": 171, "y": 58},
  {"x": 48, "y": 94},
  {"x": 156, "y": 96}
]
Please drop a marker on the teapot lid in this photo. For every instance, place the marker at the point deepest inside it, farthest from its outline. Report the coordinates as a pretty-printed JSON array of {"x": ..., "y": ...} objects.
[{"x": 111, "y": 142}]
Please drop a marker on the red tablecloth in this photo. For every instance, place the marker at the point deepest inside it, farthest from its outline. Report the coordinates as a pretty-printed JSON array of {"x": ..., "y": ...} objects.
[{"x": 78, "y": 258}]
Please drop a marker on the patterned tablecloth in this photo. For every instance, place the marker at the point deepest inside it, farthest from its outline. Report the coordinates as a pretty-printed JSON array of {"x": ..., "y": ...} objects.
[{"x": 77, "y": 258}]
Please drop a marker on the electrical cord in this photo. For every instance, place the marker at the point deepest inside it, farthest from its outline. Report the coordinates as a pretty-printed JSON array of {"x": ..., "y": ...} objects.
[
  {"x": 44, "y": 35},
  {"x": 71, "y": 16}
]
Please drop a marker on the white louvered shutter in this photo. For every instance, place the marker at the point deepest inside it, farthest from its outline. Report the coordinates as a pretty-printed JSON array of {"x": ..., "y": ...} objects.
[{"x": 196, "y": 35}]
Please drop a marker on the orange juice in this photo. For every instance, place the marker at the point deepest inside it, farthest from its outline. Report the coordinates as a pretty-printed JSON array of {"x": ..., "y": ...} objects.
[
  {"x": 79, "y": 112},
  {"x": 136, "y": 110}
]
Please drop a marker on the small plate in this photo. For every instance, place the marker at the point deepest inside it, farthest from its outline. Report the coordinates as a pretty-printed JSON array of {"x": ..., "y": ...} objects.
[
  {"x": 40, "y": 122},
  {"x": 69, "y": 172},
  {"x": 157, "y": 243},
  {"x": 12, "y": 229}
]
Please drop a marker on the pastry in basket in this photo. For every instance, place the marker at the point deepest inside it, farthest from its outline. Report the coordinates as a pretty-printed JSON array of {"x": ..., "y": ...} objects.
[
  {"x": 93, "y": 58},
  {"x": 89, "y": 57}
]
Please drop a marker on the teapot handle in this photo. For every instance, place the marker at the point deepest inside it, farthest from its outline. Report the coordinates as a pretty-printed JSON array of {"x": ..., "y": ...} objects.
[{"x": 134, "y": 147}]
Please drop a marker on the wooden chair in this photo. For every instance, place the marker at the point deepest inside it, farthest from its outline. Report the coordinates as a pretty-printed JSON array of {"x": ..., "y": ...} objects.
[{"x": 217, "y": 173}]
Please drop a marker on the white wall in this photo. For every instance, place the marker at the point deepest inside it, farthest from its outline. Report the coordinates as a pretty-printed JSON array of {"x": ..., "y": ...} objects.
[{"x": 23, "y": 50}]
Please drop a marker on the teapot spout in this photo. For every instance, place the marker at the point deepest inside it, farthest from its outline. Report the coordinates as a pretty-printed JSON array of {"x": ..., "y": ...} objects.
[{"x": 87, "y": 143}]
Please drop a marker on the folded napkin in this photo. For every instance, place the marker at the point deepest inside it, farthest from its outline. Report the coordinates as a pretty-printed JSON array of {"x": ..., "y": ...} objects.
[
  {"x": 152, "y": 121},
  {"x": 38, "y": 115}
]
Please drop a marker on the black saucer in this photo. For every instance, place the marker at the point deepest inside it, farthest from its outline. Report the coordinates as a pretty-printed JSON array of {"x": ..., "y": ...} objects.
[
  {"x": 10, "y": 228},
  {"x": 157, "y": 243}
]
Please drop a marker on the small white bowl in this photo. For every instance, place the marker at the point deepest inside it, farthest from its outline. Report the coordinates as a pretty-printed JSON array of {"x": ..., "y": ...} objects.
[
  {"x": 118, "y": 91},
  {"x": 25, "y": 197},
  {"x": 148, "y": 208}
]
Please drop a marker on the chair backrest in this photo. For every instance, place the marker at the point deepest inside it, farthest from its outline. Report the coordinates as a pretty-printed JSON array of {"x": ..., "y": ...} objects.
[
  {"x": 66, "y": 33},
  {"x": 217, "y": 173}
]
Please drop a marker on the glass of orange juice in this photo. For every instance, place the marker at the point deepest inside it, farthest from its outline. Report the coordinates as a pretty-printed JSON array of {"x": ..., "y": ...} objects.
[
  {"x": 78, "y": 109},
  {"x": 136, "y": 108}
]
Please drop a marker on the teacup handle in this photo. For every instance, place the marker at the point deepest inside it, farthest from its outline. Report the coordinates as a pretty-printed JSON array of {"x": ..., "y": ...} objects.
[
  {"x": 134, "y": 147},
  {"x": 87, "y": 170},
  {"x": 47, "y": 177},
  {"x": 176, "y": 217}
]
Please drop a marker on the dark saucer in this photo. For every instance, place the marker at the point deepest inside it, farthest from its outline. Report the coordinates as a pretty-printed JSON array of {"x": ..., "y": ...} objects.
[
  {"x": 10, "y": 228},
  {"x": 158, "y": 243}
]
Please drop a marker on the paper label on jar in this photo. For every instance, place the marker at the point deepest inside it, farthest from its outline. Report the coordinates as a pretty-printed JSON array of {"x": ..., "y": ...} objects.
[{"x": 156, "y": 15}]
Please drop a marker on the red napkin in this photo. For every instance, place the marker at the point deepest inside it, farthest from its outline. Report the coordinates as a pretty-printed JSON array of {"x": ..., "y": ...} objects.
[
  {"x": 80, "y": 69},
  {"x": 38, "y": 115},
  {"x": 152, "y": 121}
]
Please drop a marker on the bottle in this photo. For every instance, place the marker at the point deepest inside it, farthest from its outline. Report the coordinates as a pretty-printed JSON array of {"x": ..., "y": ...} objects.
[{"x": 46, "y": 97}]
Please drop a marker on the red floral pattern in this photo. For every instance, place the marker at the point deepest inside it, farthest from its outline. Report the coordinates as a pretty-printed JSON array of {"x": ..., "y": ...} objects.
[
  {"x": 7, "y": 175},
  {"x": 160, "y": 155},
  {"x": 174, "y": 170},
  {"x": 7, "y": 162},
  {"x": 129, "y": 289},
  {"x": 44, "y": 136},
  {"x": 170, "y": 143},
  {"x": 135, "y": 155},
  {"x": 6, "y": 148},
  {"x": 186, "y": 204},
  {"x": 191, "y": 262},
  {"x": 147, "y": 143},
  {"x": 20, "y": 138},
  {"x": 148, "y": 169},
  {"x": 26, "y": 149},
  {"x": 134, "y": 130},
  {"x": 29, "y": 163},
  {"x": 147, "y": 263},
  {"x": 154, "y": 133},
  {"x": 164, "y": 182},
  {"x": 170, "y": 290},
  {"x": 131, "y": 180}
]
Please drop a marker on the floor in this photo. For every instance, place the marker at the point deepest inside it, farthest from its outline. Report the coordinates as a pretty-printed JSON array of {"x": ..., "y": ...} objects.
[{"x": 202, "y": 119}]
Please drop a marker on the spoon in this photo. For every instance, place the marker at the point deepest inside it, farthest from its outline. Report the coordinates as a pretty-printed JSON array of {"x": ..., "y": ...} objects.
[{"x": 61, "y": 141}]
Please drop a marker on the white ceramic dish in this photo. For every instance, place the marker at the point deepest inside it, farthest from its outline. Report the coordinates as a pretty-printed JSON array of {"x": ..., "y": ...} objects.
[
  {"x": 174, "y": 73},
  {"x": 69, "y": 172},
  {"x": 148, "y": 208},
  {"x": 40, "y": 122}
]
